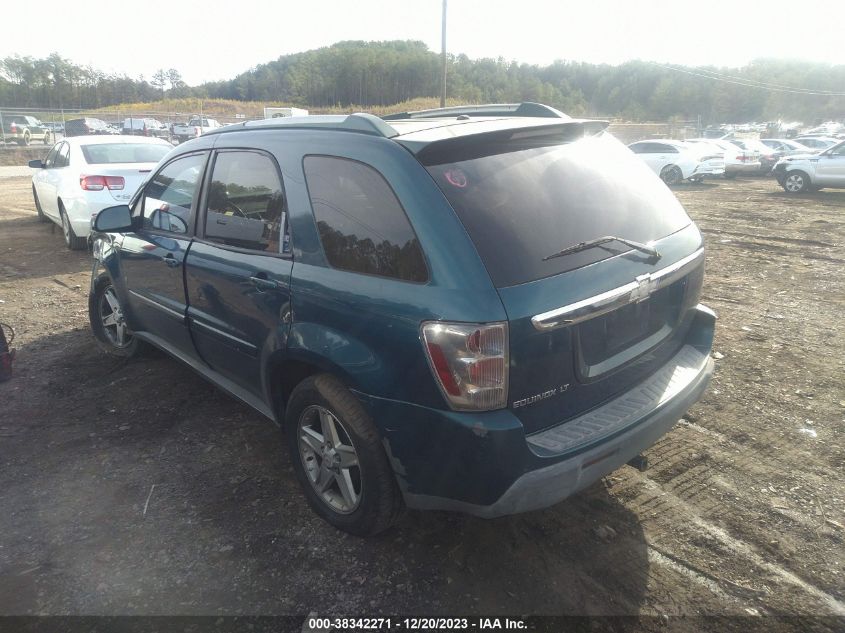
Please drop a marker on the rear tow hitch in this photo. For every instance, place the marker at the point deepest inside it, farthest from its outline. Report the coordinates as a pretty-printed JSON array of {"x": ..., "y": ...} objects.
[
  {"x": 640, "y": 462},
  {"x": 7, "y": 354}
]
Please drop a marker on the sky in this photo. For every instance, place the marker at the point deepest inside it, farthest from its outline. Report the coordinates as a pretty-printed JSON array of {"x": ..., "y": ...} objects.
[{"x": 205, "y": 43}]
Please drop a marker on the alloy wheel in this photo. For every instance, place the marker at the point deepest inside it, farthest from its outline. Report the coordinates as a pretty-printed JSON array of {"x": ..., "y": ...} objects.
[
  {"x": 329, "y": 459},
  {"x": 111, "y": 316},
  {"x": 794, "y": 183}
]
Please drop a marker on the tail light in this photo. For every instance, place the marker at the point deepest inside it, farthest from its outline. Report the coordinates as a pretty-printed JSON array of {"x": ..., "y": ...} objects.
[
  {"x": 13, "y": 128},
  {"x": 470, "y": 363},
  {"x": 98, "y": 183},
  {"x": 197, "y": 131}
]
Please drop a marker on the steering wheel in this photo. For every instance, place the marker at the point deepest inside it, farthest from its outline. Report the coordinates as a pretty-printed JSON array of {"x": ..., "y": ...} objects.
[{"x": 235, "y": 209}]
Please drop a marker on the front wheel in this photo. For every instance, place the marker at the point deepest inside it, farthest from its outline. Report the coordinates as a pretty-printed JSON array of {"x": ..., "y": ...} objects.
[
  {"x": 671, "y": 175},
  {"x": 108, "y": 323},
  {"x": 796, "y": 182},
  {"x": 339, "y": 459}
]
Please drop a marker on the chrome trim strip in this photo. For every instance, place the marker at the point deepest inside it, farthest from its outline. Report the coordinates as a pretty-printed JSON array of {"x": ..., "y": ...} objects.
[
  {"x": 637, "y": 290},
  {"x": 155, "y": 304}
]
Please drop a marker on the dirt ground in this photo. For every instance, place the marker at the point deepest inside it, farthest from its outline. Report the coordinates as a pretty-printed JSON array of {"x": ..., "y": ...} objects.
[{"x": 137, "y": 488}]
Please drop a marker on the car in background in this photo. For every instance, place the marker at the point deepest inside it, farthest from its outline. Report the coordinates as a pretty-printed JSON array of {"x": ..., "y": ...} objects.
[
  {"x": 145, "y": 127},
  {"x": 676, "y": 161},
  {"x": 56, "y": 127},
  {"x": 87, "y": 126},
  {"x": 768, "y": 156},
  {"x": 807, "y": 172},
  {"x": 196, "y": 126},
  {"x": 817, "y": 143},
  {"x": 83, "y": 174},
  {"x": 787, "y": 147},
  {"x": 23, "y": 129},
  {"x": 737, "y": 160}
]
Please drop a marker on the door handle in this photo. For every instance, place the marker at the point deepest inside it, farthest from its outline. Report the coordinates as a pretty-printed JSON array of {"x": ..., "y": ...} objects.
[
  {"x": 261, "y": 282},
  {"x": 171, "y": 261}
]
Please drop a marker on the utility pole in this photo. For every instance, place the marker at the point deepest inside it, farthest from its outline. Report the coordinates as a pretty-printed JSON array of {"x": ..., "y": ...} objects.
[{"x": 443, "y": 60}]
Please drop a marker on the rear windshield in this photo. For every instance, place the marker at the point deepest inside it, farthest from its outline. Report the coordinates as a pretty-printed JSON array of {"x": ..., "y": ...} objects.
[
  {"x": 520, "y": 204},
  {"x": 109, "y": 153}
]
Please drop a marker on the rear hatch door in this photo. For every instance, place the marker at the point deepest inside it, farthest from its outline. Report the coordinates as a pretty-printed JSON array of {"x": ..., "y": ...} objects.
[{"x": 592, "y": 323}]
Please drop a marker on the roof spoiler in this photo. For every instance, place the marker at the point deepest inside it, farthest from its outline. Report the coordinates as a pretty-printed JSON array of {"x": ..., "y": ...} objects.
[
  {"x": 473, "y": 144},
  {"x": 525, "y": 109}
]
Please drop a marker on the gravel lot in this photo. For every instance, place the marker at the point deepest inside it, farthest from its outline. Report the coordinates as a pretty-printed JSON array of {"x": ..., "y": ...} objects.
[{"x": 137, "y": 488}]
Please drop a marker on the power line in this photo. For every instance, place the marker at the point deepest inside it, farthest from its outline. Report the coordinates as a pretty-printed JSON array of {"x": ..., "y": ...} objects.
[{"x": 751, "y": 83}]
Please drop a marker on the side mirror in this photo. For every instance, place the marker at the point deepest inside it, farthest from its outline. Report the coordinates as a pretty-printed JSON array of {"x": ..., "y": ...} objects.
[
  {"x": 37, "y": 164},
  {"x": 113, "y": 219}
]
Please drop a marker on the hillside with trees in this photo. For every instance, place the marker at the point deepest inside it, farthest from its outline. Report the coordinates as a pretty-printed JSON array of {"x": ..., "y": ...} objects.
[{"x": 378, "y": 74}]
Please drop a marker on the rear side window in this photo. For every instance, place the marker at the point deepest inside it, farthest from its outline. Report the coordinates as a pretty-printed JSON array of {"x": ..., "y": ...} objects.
[
  {"x": 521, "y": 205},
  {"x": 362, "y": 225},
  {"x": 246, "y": 203}
]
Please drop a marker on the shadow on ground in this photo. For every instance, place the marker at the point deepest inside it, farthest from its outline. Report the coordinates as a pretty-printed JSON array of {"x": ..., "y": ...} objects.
[{"x": 136, "y": 487}]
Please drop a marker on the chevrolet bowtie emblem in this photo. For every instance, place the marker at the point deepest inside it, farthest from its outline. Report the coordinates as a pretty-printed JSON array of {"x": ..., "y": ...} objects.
[{"x": 645, "y": 286}]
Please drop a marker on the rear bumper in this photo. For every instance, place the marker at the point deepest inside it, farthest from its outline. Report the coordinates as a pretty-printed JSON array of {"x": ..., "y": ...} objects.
[{"x": 484, "y": 464}]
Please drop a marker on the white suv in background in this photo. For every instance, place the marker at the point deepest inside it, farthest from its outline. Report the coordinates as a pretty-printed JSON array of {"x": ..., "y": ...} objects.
[{"x": 803, "y": 172}]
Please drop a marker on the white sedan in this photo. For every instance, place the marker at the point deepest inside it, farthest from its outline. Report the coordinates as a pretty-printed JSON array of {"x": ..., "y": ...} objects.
[
  {"x": 675, "y": 161},
  {"x": 82, "y": 175}
]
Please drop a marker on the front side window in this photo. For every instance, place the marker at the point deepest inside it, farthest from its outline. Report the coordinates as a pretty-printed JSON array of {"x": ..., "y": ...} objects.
[
  {"x": 169, "y": 196},
  {"x": 363, "y": 227},
  {"x": 246, "y": 203},
  {"x": 63, "y": 156},
  {"x": 51, "y": 157}
]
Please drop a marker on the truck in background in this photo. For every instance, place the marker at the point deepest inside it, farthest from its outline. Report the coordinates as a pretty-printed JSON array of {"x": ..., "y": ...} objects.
[
  {"x": 196, "y": 126},
  {"x": 273, "y": 113}
]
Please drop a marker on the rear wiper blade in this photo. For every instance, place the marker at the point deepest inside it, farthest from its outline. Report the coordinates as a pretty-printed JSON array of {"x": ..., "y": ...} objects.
[{"x": 645, "y": 248}]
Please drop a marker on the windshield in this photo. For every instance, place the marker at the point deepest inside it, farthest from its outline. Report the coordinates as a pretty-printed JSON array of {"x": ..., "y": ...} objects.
[
  {"x": 519, "y": 204},
  {"x": 110, "y": 153}
]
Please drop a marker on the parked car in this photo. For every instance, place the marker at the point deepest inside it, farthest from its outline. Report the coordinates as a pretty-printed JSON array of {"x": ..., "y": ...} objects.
[
  {"x": 675, "y": 161},
  {"x": 56, "y": 127},
  {"x": 23, "y": 129},
  {"x": 786, "y": 146},
  {"x": 799, "y": 173},
  {"x": 737, "y": 160},
  {"x": 196, "y": 126},
  {"x": 87, "y": 126},
  {"x": 767, "y": 156},
  {"x": 478, "y": 315},
  {"x": 84, "y": 174},
  {"x": 816, "y": 142},
  {"x": 145, "y": 127}
]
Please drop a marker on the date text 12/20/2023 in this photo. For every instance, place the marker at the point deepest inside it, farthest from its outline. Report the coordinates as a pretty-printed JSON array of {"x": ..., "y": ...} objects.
[{"x": 414, "y": 624}]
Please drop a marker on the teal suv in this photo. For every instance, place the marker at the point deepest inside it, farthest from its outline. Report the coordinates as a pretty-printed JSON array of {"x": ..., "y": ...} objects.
[{"x": 480, "y": 309}]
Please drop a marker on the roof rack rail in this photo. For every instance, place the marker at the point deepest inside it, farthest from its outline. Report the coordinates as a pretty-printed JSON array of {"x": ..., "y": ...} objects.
[
  {"x": 358, "y": 122},
  {"x": 525, "y": 109}
]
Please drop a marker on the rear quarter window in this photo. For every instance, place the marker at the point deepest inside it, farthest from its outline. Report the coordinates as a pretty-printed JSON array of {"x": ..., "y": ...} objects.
[{"x": 362, "y": 226}]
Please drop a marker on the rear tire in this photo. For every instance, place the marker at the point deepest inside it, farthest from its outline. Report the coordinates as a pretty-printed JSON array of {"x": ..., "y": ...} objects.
[
  {"x": 796, "y": 182},
  {"x": 41, "y": 216},
  {"x": 361, "y": 498},
  {"x": 47, "y": 139},
  {"x": 108, "y": 323},
  {"x": 671, "y": 175},
  {"x": 73, "y": 243},
  {"x": 26, "y": 140}
]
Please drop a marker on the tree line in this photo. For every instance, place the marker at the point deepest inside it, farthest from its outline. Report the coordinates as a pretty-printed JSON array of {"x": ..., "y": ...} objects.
[{"x": 365, "y": 74}]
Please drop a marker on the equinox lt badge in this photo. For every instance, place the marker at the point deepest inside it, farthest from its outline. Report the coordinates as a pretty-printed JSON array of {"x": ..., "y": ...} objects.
[{"x": 540, "y": 396}]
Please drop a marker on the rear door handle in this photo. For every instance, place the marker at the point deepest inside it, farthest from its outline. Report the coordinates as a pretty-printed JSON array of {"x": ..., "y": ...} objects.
[
  {"x": 171, "y": 261},
  {"x": 263, "y": 283}
]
